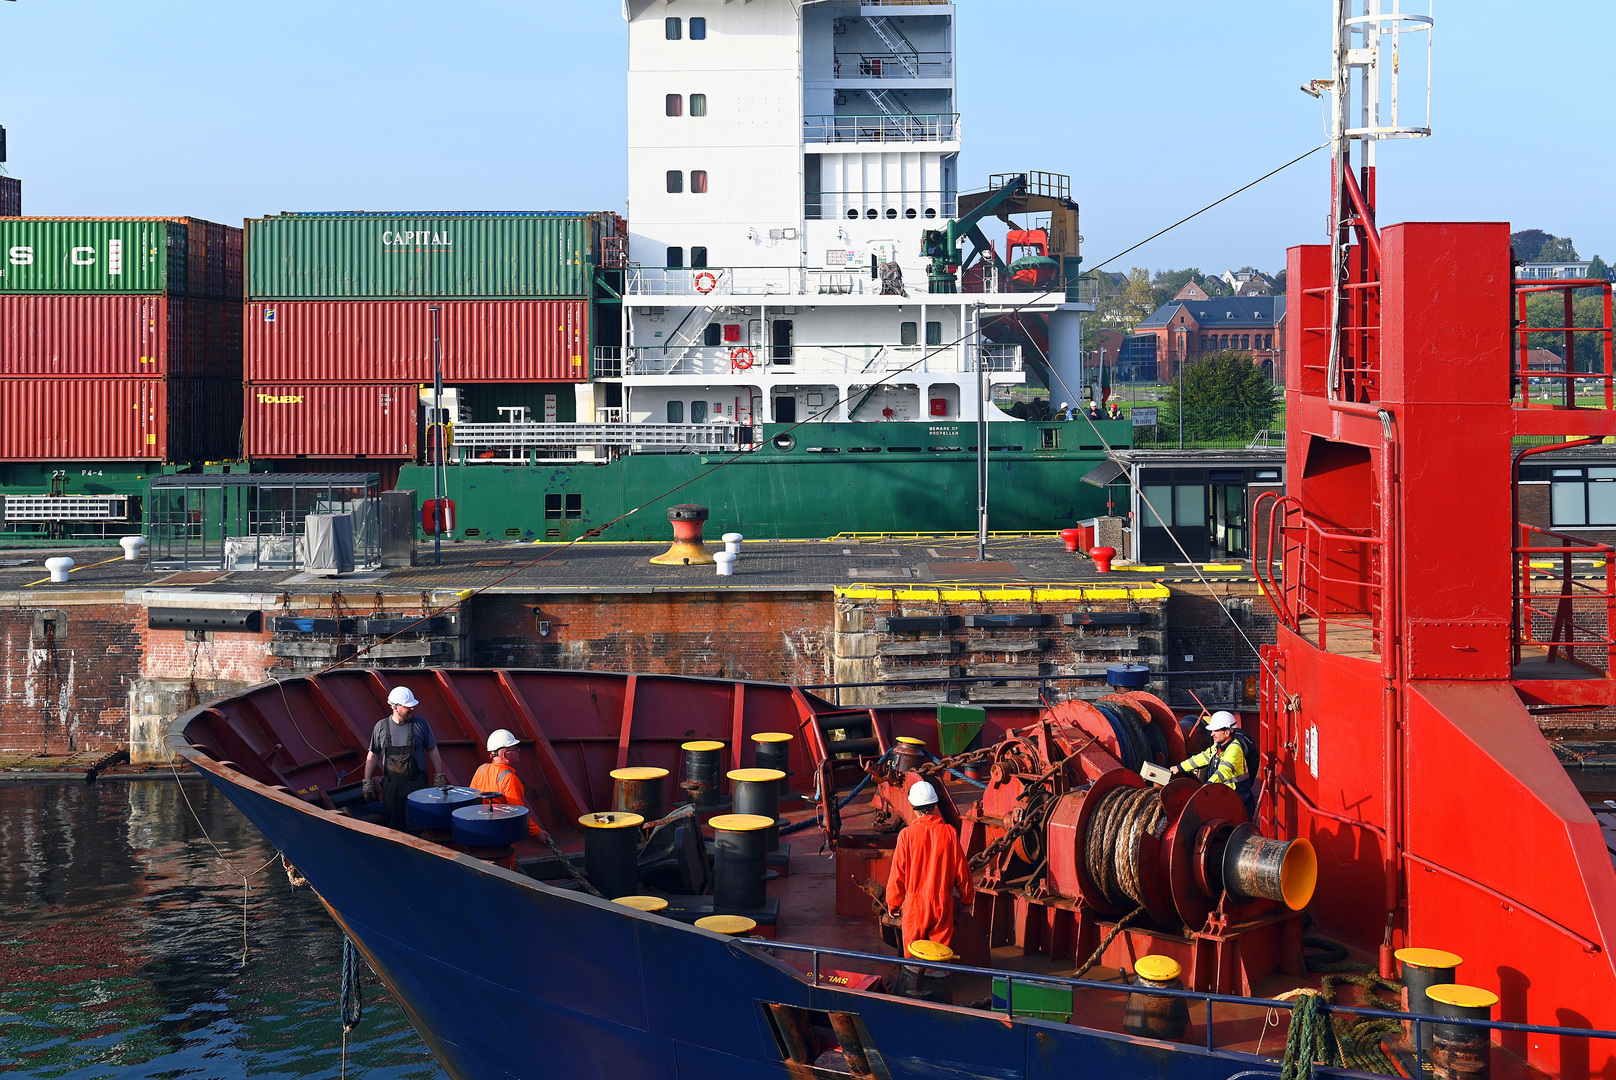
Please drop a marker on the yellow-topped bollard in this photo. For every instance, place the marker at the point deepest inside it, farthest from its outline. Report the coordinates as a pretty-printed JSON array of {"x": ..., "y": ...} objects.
[
  {"x": 732, "y": 925},
  {"x": 926, "y": 983},
  {"x": 701, "y": 771},
  {"x": 1155, "y": 1017},
  {"x": 757, "y": 791},
  {"x": 648, "y": 904},
  {"x": 1461, "y": 1052},
  {"x": 687, "y": 549},
  {"x": 773, "y": 751},
  {"x": 639, "y": 790},
  {"x": 909, "y": 753},
  {"x": 1423, "y": 969},
  {"x": 611, "y": 843}
]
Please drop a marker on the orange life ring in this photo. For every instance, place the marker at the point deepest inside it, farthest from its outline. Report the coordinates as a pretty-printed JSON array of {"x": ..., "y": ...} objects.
[
  {"x": 706, "y": 282},
  {"x": 740, "y": 359}
]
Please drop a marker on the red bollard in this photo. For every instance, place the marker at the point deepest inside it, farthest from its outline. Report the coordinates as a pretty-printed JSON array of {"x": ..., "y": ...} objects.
[
  {"x": 1071, "y": 536},
  {"x": 1102, "y": 557}
]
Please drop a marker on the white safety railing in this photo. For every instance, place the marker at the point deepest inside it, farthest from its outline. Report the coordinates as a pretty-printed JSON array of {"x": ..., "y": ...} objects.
[
  {"x": 925, "y": 127},
  {"x": 852, "y": 66},
  {"x": 508, "y": 442},
  {"x": 66, "y": 507},
  {"x": 808, "y": 361}
]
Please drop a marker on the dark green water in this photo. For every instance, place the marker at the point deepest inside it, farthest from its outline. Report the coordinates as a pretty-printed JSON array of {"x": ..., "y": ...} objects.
[{"x": 121, "y": 946}]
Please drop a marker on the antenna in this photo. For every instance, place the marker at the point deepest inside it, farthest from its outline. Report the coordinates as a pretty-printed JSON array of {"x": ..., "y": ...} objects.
[{"x": 1374, "y": 44}]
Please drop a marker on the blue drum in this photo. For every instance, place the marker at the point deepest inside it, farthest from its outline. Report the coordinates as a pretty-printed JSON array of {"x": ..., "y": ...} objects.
[
  {"x": 496, "y": 825},
  {"x": 432, "y": 808}
]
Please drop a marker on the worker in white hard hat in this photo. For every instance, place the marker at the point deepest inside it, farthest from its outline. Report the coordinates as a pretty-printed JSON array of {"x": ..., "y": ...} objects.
[
  {"x": 400, "y": 747},
  {"x": 1065, "y": 411},
  {"x": 498, "y": 777},
  {"x": 928, "y": 868},
  {"x": 1229, "y": 760}
]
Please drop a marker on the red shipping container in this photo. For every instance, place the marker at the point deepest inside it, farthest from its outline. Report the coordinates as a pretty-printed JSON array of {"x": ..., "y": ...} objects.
[
  {"x": 84, "y": 419},
  {"x": 325, "y": 421},
  {"x": 118, "y": 336},
  {"x": 348, "y": 341}
]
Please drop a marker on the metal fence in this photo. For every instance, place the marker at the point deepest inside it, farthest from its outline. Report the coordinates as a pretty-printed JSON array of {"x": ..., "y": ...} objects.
[{"x": 1209, "y": 429}]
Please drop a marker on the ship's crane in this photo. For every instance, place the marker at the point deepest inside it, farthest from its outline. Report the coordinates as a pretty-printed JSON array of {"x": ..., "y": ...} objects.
[{"x": 942, "y": 246}]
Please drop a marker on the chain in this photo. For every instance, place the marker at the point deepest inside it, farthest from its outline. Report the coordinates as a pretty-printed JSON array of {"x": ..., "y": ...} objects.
[
  {"x": 958, "y": 761},
  {"x": 1002, "y": 844}
]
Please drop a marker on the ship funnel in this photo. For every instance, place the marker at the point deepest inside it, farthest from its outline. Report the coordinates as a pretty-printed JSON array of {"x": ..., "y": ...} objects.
[{"x": 1257, "y": 868}]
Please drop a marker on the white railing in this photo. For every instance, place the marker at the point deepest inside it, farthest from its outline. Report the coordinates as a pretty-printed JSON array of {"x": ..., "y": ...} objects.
[
  {"x": 926, "y": 127},
  {"x": 66, "y": 507},
  {"x": 509, "y": 442},
  {"x": 852, "y": 66},
  {"x": 608, "y": 362},
  {"x": 690, "y": 288},
  {"x": 808, "y": 361}
]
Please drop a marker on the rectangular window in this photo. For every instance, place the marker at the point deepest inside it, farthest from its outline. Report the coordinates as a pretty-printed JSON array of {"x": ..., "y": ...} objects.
[
  {"x": 698, "y": 29},
  {"x": 675, "y": 105},
  {"x": 575, "y": 506},
  {"x": 676, "y": 181},
  {"x": 698, "y": 181},
  {"x": 676, "y": 412},
  {"x": 698, "y": 104},
  {"x": 1203, "y": 343},
  {"x": 1153, "y": 498},
  {"x": 698, "y": 412},
  {"x": 712, "y": 335},
  {"x": 552, "y": 507},
  {"x": 934, "y": 333},
  {"x": 672, "y": 29},
  {"x": 676, "y": 258},
  {"x": 1190, "y": 508},
  {"x": 698, "y": 258},
  {"x": 908, "y": 333}
]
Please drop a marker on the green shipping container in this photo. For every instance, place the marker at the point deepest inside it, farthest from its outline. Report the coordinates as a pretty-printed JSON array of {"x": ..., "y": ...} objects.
[
  {"x": 343, "y": 256},
  {"x": 93, "y": 255}
]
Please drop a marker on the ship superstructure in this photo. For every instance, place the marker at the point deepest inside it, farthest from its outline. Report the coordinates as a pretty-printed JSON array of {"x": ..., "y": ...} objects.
[{"x": 784, "y": 161}]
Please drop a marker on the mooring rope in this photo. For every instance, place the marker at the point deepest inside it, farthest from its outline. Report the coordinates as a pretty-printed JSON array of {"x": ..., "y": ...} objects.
[{"x": 1111, "y": 849}]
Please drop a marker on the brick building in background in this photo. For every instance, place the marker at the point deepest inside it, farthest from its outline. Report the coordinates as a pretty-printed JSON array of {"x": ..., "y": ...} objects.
[{"x": 1186, "y": 330}]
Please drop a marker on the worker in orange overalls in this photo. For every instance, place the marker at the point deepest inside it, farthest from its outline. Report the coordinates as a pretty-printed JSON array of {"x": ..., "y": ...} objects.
[
  {"x": 928, "y": 867},
  {"x": 500, "y": 777}
]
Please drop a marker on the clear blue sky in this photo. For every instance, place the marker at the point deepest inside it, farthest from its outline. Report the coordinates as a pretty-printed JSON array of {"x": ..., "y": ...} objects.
[{"x": 228, "y": 110}]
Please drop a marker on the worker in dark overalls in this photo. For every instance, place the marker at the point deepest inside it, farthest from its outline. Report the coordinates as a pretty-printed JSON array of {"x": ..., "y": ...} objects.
[{"x": 401, "y": 745}]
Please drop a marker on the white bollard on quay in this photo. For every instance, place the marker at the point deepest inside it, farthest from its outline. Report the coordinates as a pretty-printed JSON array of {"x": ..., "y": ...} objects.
[
  {"x": 58, "y": 568},
  {"x": 131, "y": 547},
  {"x": 732, "y": 543},
  {"x": 726, "y": 563}
]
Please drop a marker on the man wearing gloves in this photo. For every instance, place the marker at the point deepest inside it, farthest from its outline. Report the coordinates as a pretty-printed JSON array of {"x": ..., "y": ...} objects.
[{"x": 401, "y": 746}]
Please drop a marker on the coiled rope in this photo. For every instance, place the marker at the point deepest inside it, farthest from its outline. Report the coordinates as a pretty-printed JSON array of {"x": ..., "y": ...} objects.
[
  {"x": 1360, "y": 1040},
  {"x": 1111, "y": 849},
  {"x": 353, "y": 993}
]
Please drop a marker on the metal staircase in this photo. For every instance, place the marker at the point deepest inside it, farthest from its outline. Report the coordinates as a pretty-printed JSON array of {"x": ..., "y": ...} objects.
[
  {"x": 890, "y": 106},
  {"x": 893, "y": 39}
]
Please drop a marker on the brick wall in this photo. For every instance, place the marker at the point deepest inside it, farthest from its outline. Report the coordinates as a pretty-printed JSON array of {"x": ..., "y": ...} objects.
[
  {"x": 67, "y": 673},
  {"x": 771, "y": 636},
  {"x": 1201, "y": 637}
]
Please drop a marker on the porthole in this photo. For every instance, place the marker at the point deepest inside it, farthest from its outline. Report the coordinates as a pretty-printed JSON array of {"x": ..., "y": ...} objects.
[
  {"x": 909, "y": 213},
  {"x": 785, "y": 442},
  {"x": 871, "y": 214},
  {"x": 892, "y": 213}
]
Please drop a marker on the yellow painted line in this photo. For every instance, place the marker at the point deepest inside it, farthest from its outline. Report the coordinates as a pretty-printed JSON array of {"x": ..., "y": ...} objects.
[
  {"x": 1221, "y": 566},
  {"x": 1545, "y": 565},
  {"x": 961, "y": 592},
  {"x": 845, "y": 536},
  {"x": 1142, "y": 569}
]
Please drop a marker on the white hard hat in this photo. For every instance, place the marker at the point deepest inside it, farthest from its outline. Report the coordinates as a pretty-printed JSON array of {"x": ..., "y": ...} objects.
[
  {"x": 1222, "y": 721},
  {"x": 499, "y": 739},
  {"x": 1064, "y": 405},
  {"x": 401, "y": 695},
  {"x": 922, "y": 794}
]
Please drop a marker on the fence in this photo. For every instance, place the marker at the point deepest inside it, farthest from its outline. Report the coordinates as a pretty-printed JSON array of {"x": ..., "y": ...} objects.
[
  {"x": 1211, "y": 429},
  {"x": 1227, "y": 689}
]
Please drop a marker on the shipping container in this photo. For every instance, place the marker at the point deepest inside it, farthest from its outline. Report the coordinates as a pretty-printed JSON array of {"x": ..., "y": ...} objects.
[
  {"x": 114, "y": 255},
  {"x": 10, "y": 196},
  {"x": 439, "y": 255},
  {"x": 84, "y": 419},
  {"x": 289, "y": 420},
  {"x": 352, "y": 341},
  {"x": 119, "y": 336},
  {"x": 204, "y": 420}
]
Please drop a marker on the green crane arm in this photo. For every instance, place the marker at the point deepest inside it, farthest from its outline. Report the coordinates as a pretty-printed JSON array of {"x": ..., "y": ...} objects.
[{"x": 942, "y": 246}]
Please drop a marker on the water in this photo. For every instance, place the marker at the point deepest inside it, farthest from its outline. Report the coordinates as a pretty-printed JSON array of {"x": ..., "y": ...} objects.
[{"x": 121, "y": 946}]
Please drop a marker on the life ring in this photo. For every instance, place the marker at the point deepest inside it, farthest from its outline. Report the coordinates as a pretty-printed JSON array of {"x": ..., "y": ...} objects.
[
  {"x": 706, "y": 282},
  {"x": 740, "y": 359}
]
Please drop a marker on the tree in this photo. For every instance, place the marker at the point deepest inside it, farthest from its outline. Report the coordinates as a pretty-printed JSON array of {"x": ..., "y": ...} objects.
[
  {"x": 1124, "y": 302},
  {"x": 1527, "y": 243},
  {"x": 1598, "y": 269},
  {"x": 1559, "y": 249},
  {"x": 1225, "y": 398},
  {"x": 1170, "y": 281}
]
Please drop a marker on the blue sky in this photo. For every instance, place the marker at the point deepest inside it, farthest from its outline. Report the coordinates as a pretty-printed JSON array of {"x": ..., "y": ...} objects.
[{"x": 228, "y": 110}]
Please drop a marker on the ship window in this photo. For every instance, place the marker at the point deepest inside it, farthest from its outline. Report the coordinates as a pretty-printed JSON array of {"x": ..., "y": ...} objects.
[
  {"x": 852, "y": 215},
  {"x": 676, "y": 412},
  {"x": 552, "y": 507},
  {"x": 712, "y": 334},
  {"x": 1049, "y": 439},
  {"x": 698, "y": 104},
  {"x": 891, "y": 212},
  {"x": 931, "y": 211},
  {"x": 698, "y": 181},
  {"x": 671, "y": 28},
  {"x": 698, "y": 258},
  {"x": 676, "y": 258},
  {"x": 698, "y": 29},
  {"x": 934, "y": 333},
  {"x": 676, "y": 181},
  {"x": 909, "y": 213},
  {"x": 908, "y": 333},
  {"x": 698, "y": 412},
  {"x": 575, "y": 506},
  {"x": 675, "y": 105},
  {"x": 871, "y": 214}
]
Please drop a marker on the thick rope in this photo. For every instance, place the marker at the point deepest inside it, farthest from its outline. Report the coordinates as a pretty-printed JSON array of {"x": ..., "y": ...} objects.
[
  {"x": 1359, "y": 1040},
  {"x": 1105, "y": 943},
  {"x": 1111, "y": 848},
  {"x": 353, "y": 992},
  {"x": 1311, "y": 1039}
]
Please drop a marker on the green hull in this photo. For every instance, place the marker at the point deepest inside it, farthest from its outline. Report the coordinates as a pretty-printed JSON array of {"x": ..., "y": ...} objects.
[{"x": 841, "y": 478}]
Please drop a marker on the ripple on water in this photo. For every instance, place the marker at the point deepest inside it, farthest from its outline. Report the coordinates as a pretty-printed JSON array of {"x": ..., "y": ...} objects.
[{"x": 121, "y": 937}]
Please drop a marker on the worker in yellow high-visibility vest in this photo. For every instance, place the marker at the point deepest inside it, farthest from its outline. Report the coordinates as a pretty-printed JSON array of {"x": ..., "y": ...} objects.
[{"x": 1230, "y": 760}]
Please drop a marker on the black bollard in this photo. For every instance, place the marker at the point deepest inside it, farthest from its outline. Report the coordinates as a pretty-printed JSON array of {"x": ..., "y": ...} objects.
[
  {"x": 611, "y": 844},
  {"x": 701, "y": 771},
  {"x": 738, "y": 863},
  {"x": 639, "y": 791},
  {"x": 757, "y": 791},
  {"x": 773, "y": 750}
]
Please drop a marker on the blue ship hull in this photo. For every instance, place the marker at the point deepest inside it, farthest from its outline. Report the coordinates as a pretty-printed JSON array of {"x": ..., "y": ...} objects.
[{"x": 504, "y": 976}]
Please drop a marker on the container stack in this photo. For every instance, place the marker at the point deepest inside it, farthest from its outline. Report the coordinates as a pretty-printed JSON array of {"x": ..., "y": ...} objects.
[
  {"x": 10, "y": 196},
  {"x": 120, "y": 339},
  {"x": 339, "y": 324}
]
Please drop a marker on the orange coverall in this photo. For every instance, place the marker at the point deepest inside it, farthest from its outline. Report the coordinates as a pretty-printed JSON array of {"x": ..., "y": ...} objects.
[
  {"x": 500, "y": 777},
  {"x": 927, "y": 867}
]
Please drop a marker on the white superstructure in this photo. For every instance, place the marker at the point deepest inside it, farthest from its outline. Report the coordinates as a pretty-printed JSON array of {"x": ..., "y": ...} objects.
[{"x": 775, "y": 148}]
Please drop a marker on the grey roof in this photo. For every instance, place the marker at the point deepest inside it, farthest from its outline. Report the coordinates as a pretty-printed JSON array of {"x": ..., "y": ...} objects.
[{"x": 1222, "y": 312}]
